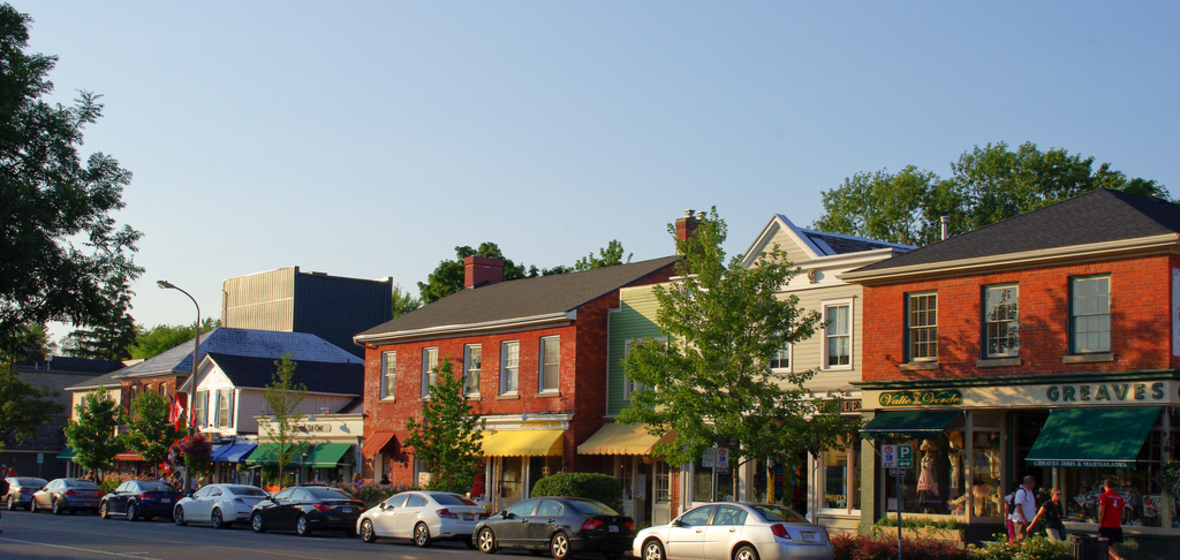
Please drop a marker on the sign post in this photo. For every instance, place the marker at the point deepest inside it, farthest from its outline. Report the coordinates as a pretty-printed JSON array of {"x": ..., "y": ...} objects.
[{"x": 897, "y": 458}]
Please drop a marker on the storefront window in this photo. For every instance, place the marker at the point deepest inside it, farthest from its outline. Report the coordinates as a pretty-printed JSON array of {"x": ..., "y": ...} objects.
[
  {"x": 663, "y": 483},
  {"x": 935, "y": 486},
  {"x": 760, "y": 482},
  {"x": 702, "y": 484},
  {"x": 841, "y": 479},
  {"x": 1139, "y": 486},
  {"x": 510, "y": 478}
]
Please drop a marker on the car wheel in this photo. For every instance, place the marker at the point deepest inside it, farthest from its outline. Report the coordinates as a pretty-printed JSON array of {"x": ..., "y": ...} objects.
[
  {"x": 422, "y": 535},
  {"x": 256, "y": 523},
  {"x": 746, "y": 552},
  {"x": 58, "y": 509},
  {"x": 132, "y": 512},
  {"x": 33, "y": 505},
  {"x": 486, "y": 541},
  {"x": 104, "y": 511},
  {"x": 559, "y": 546},
  {"x": 367, "y": 532},
  {"x": 178, "y": 516},
  {"x": 301, "y": 527},
  {"x": 217, "y": 520},
  {"x": 653, "y": 550}
]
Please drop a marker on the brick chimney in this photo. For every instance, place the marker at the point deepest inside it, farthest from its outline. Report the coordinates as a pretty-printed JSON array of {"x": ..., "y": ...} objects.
[
  {"x": 478, "y": 271},
  {"x": 687, "y": 225}
]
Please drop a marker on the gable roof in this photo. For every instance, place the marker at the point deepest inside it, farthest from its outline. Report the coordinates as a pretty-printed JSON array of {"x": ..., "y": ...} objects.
[
  {"x": 319, "y": 377},
  {"x": 516, "y": 300},
  {"x": 1100, "y": 218},
  {"x": 241, "y": 342},
  {"x": 816, "y": 244}
]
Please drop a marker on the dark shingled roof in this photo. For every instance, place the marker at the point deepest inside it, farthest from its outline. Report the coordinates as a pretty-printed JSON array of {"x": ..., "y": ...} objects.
[
  {"x": 319, "y": 377},
  {"x": 1099, "y": 216},
  {"x": 241, "y": 342},
  {"x": 527, "y": 297}
]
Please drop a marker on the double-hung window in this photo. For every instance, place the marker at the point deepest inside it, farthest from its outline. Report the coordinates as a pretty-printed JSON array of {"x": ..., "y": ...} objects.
[
  {"x": 838, "y": 335},
  {"x": 472, "y": 360},
  {"x": 199, "y": 407},
  {"x": 1089, "y": 314},
  {"x": 509, "y": 367},
  {"x": 388, "y": 374},
  {"x": 922, "y": 327},
  {"x": 429, "y": 369},
  {"x": 1001, "y": 312},
  {"x": 550, "y": 370},
  {"x": 630, "y": 385},
  {"x": 781, "y": 359}
]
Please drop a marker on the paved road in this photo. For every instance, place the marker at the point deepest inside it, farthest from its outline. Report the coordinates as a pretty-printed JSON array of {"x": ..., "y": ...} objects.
[{"x": 43, "y": 535}]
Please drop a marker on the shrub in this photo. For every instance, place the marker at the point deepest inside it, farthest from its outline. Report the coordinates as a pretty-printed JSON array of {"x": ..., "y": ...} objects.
[
  {"x": 594, "y": 486},
  {"x": 1033, "y": 548},
  {"x": 919, "y": 522},
  {"x": 865, "y": 547}
]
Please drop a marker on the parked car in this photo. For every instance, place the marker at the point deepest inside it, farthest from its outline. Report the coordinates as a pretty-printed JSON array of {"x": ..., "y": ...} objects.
[
  {"x": 561, "y": 526},
  {"x": 423, "y": 517},
  {"x": 66, "y": 494},
  {"x": 20, "y": 490},
  {"x": 136, "y": 499},
  {"x": 219, "y": 505},
  {"x": 305, "y": 509},
  {"x": 737, "y": 531}
]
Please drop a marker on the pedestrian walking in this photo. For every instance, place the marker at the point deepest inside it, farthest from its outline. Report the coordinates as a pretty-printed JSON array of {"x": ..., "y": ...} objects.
[{"x": 1110, "y": 516}]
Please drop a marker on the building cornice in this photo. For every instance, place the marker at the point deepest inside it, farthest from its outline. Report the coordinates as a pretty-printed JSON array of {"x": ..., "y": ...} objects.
[
  {"x": 488, "y": 327},
  {"x": 1014, "y": 380}
]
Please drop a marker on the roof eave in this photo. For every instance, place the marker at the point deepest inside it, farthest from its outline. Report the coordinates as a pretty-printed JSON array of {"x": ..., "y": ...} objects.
[{"x": 442, "y": 331}]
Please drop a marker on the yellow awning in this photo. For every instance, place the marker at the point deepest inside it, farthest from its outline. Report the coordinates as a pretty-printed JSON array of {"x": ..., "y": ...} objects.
[
  {"x": 523, "y": 443},
  {"x": 621, "y": 439}
]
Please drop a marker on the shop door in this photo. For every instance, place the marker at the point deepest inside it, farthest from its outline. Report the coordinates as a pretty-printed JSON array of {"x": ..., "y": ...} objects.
[{"x": 661, "y": 491}]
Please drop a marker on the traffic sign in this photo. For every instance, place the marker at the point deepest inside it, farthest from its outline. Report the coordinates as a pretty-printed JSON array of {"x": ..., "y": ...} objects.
[
  {"x": 905, "y": 456},
  {"x": 895, "y": 471},
  {"x": 888, "y": 456}
]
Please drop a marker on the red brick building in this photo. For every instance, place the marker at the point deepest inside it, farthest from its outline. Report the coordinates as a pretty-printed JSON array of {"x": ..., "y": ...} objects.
[
  {"x": 533, "y": 353},
  {"x": 1043, "y": 345}
]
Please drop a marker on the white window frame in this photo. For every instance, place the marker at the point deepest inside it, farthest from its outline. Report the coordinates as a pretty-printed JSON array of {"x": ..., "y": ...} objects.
[
  {"x": 851, "y": 335},
  {"x": 789, "y": 350},
  {"x": 200, "y": 408},
  {"x": 545, "y": 343},
  {"x": 987, "y": 322},
  {"x": 1075, "y": 347},
  {"x": 388, "y": 375},
  {"x": 225, "y": 408},
  {"x": 429, "y": 369},
  {"x": 469, "y": 369},
  {"x": 509, "y": 368},
  {"x": 910, "y": 328},
  {"x": 630, "y": 386}
]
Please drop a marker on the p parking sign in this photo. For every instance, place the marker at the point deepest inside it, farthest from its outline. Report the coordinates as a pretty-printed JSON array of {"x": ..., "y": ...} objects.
[{"x": 905, "y": 456}]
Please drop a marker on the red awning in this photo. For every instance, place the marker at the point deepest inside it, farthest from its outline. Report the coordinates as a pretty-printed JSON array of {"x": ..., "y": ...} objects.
[
  {"x": 128, "y": 456},
  {"x": 377, "y": 443}
]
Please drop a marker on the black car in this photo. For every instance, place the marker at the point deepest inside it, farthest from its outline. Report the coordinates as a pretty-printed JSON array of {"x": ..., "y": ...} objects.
[
  {"x": 20, "y": 490},
  {"x": 67, "y": 494},
  {"x": 561, "y": 526},
  {"x": 305, "y": 509},
  {"x": 136, "y": 499}
]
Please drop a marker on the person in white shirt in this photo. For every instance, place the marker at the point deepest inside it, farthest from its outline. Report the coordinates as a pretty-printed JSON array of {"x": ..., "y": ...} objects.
[{"x": 1026, "y": 508}]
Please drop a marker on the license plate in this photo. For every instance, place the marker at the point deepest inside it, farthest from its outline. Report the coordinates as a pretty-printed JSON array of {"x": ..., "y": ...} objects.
[
  {"x": 808, "y": 536},
  {"x": 87, "y": 503},
  {"x": 165, "y": 500},
  {"x": 613, "y": 528},
  {"x": 468, "y": 517},
  {"x": 346, "y": 509}
]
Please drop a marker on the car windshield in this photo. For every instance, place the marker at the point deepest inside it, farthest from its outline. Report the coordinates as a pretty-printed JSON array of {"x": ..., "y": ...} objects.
[
  {"x": 590, "y": 507},
  {"x": 81, "y": 484},
  {"x": 247, "y": 491},
  {"x": 778, "y": 513},
  {"x": 452, "y": 500},
  {"x": 327, "y": 493},
  {"x": 154, "y": 486}
]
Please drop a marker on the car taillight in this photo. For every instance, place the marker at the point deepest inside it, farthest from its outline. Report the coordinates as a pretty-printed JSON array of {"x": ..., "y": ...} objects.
[
  {"x": 447, "y": 514},
  {"x": 780, "y": 532},
  {"x": 322, "y": 507},
  {"x": 630, "y": 525},
  {"x": 145, "y": 496},
  {"x": 592, "y": 525},
  {"x": 71, "y": 493}
]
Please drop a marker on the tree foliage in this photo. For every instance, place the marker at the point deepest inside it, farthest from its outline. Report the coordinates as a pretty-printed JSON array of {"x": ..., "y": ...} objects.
[
  {"x": 987, "y": 184},
  {"x": 448, "y": 276},
  {"x": 23, "y": 407},
  {"x": 610, "y": 255},
  {"x": 149, "y": 432},
  {"x": 112, "y": 337},
  {"x": 61, "y": 243},
  {"x": 92, "y": 435},
  {"x": 403, "y": 302},
  {"x": 283, "y": 398},
  {"x": 153, "y": 341},
  {"x": 712, "y": 382},
  {"x": 447, "y": 439}
]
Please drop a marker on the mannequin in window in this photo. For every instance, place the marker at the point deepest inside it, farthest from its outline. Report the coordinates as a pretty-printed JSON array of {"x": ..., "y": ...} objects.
[
  {"x": 927, "y": 484},
  {"x": 955, "y": 456}
]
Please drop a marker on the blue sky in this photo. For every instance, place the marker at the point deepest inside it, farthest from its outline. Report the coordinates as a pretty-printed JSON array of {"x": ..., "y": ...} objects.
[{"x": 368, "y": 139}]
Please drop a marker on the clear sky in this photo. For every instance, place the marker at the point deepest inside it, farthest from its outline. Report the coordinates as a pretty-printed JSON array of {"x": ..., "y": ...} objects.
[{"x": 368, "y": 139}]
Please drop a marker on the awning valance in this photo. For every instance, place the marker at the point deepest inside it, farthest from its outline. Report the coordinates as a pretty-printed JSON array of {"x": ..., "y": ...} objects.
[
  {"x": 377, "y": 443},
  {"x": 622, "y": 439},
  {"x": 909, "y": 424},
  {"x": 67, "y": 454},
  {"x": 327, "y": 454},
  {"x": 523, "y": 443},
  {"x": 1092, "y": 437},
  {"x": 128, "y": 456},
  {"x": 268, "y": 454},
  {"x": 235, "y": 453}
]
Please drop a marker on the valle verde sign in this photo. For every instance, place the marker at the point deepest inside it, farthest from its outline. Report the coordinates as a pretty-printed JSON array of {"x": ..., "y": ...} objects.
[{"x": 941, "y": 397}]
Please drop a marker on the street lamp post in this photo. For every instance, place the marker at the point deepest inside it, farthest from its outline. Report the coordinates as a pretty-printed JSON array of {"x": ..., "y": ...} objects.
[{"x": 166, "y": 285}]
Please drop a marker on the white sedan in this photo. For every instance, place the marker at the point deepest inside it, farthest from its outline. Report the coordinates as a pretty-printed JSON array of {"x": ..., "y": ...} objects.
[
  {"x": 422, "y": 517},
  {"x": 218, "y": 504},
  {"x": 737, "y": 531}
]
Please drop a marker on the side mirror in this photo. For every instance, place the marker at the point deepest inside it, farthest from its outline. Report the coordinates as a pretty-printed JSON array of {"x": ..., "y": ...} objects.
[
  {"x": 506, "y": 515},
  {"x": 677, "y": 523},
  {"x": 384, "y": 506}
]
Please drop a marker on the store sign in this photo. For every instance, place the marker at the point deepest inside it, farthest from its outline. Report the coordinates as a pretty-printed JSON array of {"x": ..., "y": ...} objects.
[
  {"x": 1045, "y": 463},
  {"x": 1106, "y": 392},
  {"x": 942, "y": 397},
  {"x": 318, "y": 428}
]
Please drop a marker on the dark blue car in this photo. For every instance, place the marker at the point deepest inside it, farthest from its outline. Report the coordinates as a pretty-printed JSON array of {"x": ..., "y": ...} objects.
[{"x": 140, "y": 499}]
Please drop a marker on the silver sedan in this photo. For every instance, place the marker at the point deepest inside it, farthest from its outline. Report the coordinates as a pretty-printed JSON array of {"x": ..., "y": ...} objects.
[{"x": 738, "y": 531}]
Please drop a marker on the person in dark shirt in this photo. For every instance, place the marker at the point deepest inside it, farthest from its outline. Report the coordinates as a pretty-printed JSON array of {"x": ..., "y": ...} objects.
[{"x": 1052, "y": 513}]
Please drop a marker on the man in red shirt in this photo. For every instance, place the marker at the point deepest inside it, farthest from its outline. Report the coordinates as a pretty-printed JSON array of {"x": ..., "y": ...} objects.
[{"x": 1110, "y": 516}]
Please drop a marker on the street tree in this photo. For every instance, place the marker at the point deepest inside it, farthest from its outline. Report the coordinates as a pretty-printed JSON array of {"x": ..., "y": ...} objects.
[
  {"x": 153, "y": 341},
  {"x": 610, "y": 255},
  {"x": 92, "y": 435},
  {"x": 23, "y": 407},
  {"x": 149, "y": 432},
  {"x": 711, "y": 383},
  {"x": 61, "y": 241},
  {"x": 112, "y": 337},
  {"x": 448, "y": 276},
  {"x": 987, "y": 184},
  {"x": 283, "y": 398},
  {"x": 447, "y": 439},
  {"x": 403, "y": 302}
]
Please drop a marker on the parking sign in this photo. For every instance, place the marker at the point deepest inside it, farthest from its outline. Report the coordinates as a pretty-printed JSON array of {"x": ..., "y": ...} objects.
[
  {"x": 888, "y": 456},
  {"x": 905, "y": 456}
]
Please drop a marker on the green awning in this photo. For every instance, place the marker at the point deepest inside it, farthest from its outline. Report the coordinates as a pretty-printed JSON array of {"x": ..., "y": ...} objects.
[
  {"x": 327, "y": 454},
  {"x": 67, "y": 454},
  {"x": 1092, "y": 437},
  {"x": 268, "y": 454},
  {"x": 909, "y": 424}
]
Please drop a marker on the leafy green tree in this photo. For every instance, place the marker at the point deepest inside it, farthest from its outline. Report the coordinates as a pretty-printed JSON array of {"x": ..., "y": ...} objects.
[
  {"x": 987, "y": 184},
  {"x": 447, "y": 439},
  {"x": 403, "y": 302},
  {"x": 149, "y": 432},
  {"x": 712, "y": 383},
  {"x": 23, "y": 407},
  {"x": 153, "y": 341},
  {"x": 610, "y": 255},
  {"x": 61, "y": 242},
  {"x": 283, "y": 398},
  {"x": 448, "y": 276},
  {"x": 92, "y": 435},
  {"x": 111, "y": 338}
]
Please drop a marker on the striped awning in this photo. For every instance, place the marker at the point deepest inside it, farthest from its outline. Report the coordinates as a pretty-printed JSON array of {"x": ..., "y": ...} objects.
[{"x": 622, "y": 439}]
